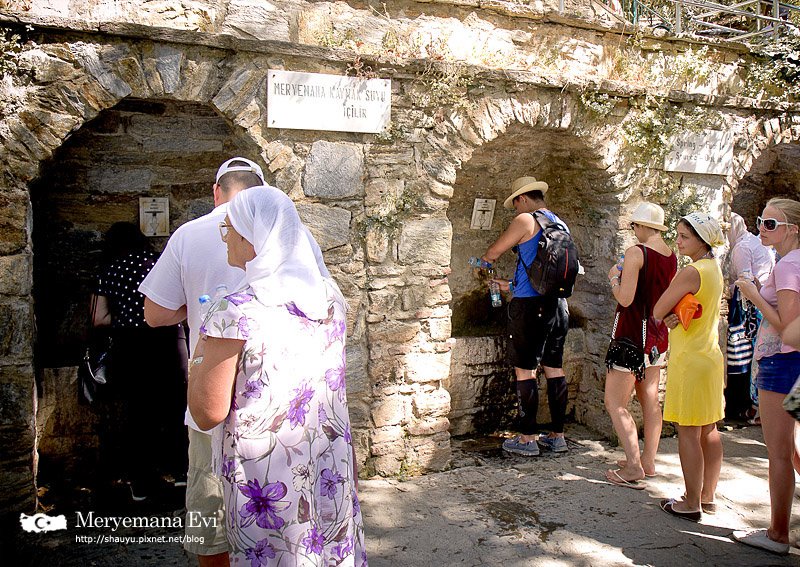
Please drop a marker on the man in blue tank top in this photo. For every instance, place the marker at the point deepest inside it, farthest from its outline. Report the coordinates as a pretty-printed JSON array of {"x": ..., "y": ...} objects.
[{"x": 537, "y": 324}]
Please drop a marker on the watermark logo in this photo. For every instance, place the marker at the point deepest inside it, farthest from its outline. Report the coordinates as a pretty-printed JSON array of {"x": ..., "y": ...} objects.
[{"x": 40, "y": 522}]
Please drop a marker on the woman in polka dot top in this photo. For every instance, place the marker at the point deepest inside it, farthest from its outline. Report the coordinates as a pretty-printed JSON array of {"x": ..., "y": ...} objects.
[{"x": 148, "y": 372}]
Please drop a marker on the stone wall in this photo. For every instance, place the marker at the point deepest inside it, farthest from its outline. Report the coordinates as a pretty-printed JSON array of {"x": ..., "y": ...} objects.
[{"x": 570, "y": 102}]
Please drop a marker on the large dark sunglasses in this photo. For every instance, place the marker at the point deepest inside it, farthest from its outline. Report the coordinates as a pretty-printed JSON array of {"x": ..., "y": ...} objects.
[{"x": 770, "y": 224}]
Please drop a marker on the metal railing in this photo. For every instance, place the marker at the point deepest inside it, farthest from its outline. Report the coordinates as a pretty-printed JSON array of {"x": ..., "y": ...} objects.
[{"x": 747, "y": 21}]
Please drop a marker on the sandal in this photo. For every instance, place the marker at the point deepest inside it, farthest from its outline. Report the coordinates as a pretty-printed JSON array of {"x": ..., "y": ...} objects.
[
  {"x": 667, "y": 504},
  {"x": 614, "y": 478}
]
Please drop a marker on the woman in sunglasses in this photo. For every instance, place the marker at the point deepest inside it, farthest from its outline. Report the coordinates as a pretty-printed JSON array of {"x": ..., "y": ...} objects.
[{"x": 778, "y": 366}]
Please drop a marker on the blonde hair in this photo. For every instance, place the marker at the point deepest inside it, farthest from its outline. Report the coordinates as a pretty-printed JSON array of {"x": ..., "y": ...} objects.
[{"x": 788, "y": 207}]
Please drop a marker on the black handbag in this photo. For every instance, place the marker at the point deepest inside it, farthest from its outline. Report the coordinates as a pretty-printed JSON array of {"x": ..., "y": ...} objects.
[{"x": 94, "y": 367}]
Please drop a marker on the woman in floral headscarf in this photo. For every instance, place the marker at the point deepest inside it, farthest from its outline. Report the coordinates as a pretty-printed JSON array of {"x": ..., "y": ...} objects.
[
  {"x": 271, "y": 365},
  {"x": 695, "y": 372}
]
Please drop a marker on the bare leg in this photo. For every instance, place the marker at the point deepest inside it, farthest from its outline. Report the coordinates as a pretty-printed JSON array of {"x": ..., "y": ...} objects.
[
  {"x": 619, "y": 386},
  {"x": 526, "y": 405},
  {"x": 711, "y": 444},
  {"x": 778, "y": 428},
  {"x": 647, "y": 394},
  {"x": 690, "y": 452}
]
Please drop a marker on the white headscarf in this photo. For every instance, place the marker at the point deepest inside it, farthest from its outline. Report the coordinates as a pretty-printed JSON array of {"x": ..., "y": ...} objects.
[
  {"x": 738, "y": 229},
  {"x": 288, "y": 266}
]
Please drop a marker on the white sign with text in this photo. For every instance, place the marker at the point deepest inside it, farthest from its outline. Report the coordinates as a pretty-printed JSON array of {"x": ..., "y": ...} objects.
[
  {"x": 709, "y": 152},
  {"x": 313, "y": 101},
  {"x": 482, "y": 214}
]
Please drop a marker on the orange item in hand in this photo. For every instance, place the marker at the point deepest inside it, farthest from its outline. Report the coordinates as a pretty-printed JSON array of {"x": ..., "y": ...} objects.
[{"x": 688, "y": 308}]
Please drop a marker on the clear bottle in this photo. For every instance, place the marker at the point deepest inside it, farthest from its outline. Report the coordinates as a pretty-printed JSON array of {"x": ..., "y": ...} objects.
[
  {"x": 621, "y": 261},
  {"x": 494, "y": 291},
  {"x": 476, "y": 262},
  {"x": 206, "y": 303},
  {"x": 745, "y": 275}
]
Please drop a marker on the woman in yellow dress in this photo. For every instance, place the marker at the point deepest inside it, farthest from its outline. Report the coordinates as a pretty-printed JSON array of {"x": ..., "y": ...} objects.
[{"x": 695, "y": 371}]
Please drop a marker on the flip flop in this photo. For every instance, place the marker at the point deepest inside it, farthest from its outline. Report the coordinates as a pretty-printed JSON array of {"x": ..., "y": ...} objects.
[
  {"x": 666, "y": 505},
  {"x": 619, "y": 481}
]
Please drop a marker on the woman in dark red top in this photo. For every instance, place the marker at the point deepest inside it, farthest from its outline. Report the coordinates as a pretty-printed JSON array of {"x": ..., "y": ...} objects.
[{"x": 637, "y": 284}]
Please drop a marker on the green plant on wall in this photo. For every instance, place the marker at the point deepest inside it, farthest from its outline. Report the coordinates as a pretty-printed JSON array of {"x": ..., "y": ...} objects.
[
  {"x": 600, "y": 105},
  {"x": 391, "y": 220},
  {"x": 774, "y": 73},
  {"x": 677, "y": 200},
  {"x": 10, "y": 49},
  {"x": 441, "y": 84},
  {"x": 653, "y": 121}
]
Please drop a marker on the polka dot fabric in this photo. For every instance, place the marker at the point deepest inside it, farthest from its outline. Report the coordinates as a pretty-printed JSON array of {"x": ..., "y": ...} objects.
[{"x": 119, "y": 283}]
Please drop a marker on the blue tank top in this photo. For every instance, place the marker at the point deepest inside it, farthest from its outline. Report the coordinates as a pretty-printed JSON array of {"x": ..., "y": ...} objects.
[{"x": 527, "y": 251}]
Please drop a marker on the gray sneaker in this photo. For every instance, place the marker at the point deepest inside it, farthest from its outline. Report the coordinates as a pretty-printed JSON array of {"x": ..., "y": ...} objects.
[
  {"x": 554, "y": 444},
  {"x": 514, "y": 445}
]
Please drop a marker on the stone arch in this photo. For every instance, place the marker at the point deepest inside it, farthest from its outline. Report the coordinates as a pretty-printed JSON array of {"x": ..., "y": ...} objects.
[
  {"x": 767, "y": 167},
  {"x": 70, "y": 84},
  {"x": 542, "y": 133}
]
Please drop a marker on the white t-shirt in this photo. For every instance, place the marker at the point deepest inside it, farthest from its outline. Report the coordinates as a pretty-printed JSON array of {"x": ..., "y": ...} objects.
[{"x": 194, "y": 263}]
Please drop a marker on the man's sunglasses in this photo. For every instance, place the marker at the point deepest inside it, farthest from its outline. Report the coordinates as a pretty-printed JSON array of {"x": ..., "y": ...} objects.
[{"x": 770, "y": 224}]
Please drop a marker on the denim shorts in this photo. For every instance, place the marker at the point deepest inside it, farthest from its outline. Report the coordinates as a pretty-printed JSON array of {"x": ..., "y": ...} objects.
[{"x": 778, "y": 373}]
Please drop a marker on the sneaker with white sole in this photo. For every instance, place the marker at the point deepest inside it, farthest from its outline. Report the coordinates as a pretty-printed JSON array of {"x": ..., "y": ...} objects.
[
  {"x": 554, "y": 444},
  {"x": 760, "y": 539},
  {"x": 519, "y": 447}
]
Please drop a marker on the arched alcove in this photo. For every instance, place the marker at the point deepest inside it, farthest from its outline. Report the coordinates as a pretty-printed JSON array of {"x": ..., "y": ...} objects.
[
  {"x": 775, "y": 173},
  {"x": 138, "y": 148},
  {"x": 581, "y": 193}
]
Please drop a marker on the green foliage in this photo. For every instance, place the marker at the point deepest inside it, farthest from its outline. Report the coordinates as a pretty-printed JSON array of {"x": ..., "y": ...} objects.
[
  {"x": 391, "y": 221},
  {"x": 775, "y": 71},
  {"x": 598, "y": 104},
  {"x": 652, "y": 122},
  {"x": 10, "y": 48},
  {"x": 677, "y": 201},
  {"x": 442, "y": 84}
]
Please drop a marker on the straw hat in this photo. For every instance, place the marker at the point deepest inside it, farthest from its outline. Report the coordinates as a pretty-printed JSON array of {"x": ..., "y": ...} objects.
[
  {"x": 650, "y": 215},
  {"x": 523, "y": 185}
]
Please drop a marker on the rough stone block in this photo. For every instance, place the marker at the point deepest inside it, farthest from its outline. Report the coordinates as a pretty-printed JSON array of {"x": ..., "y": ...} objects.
[
  {"x": 334, "y": 171},
  {"x": 387, "y": 434},
  {"x": 426, "y": 240},
  {"x": 440, "y": 329},
  {"x": 382, "y": 301},
  {"x": 382, "y": 194},
  {"x": 16, "y": 274},
  {"x": 427, "y": 367},
  {"x": 429, "y": 426},
  {"x": 391, "y": 410},
  {"x": 330, "y": 226},
  {"x": 16, "y": 320},
  {"x": 377, "y": 243},
  {"x": 168, "y": 63},
  {"x": 393, "y": 332},
  {"x": 387, "y": 465},
  {"x": 432, "y": 404},
  {"x": 356, "y": 374}
]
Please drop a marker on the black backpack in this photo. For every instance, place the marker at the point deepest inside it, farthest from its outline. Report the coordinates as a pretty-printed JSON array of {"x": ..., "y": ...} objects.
[{"x": 556, "y": 265}]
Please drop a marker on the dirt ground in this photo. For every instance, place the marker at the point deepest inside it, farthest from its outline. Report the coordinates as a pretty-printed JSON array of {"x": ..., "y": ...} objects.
[{"x": 489, "y": 509}]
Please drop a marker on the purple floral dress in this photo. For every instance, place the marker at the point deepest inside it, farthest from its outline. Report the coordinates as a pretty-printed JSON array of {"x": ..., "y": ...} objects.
[{"x": 287, "y": 460}]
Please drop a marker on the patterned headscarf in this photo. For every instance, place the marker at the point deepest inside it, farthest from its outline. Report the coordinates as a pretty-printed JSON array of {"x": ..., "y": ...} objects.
[
  {"x": 288, "y": 266},
  {"x": 707, "y": 228}
]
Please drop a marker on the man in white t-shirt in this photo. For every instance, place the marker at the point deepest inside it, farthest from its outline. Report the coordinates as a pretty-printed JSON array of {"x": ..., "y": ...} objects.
[{"x": 195, "y": 263}]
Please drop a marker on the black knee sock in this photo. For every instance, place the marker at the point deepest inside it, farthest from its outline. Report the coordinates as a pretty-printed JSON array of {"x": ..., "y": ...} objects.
[
  {"x": 528, "y": 403},
  {"x": 557, "y": 400}
]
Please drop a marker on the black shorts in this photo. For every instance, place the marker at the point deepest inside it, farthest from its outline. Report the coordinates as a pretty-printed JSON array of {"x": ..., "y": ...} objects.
[{"x": 537, "y": 329}]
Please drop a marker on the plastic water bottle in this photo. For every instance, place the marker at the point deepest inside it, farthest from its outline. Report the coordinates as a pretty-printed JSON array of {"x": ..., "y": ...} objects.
[
  {"x": 494, "y": 291},
  {"x": 476, "y": 262},
  {"x": 206, "y": 301},
  {"x": 621, "y": 261},
  {"x": 745, "y": 275}
]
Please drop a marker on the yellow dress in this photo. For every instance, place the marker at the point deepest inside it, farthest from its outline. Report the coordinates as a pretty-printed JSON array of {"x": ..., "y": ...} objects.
[{"x": 695, "y": 371}]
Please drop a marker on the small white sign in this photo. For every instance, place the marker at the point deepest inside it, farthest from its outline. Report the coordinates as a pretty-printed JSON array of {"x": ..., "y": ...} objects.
[
  {"x": 482, "y": 214},
  {"x": 154, "y": 216},
  {"x": 313, "y": 101},
  {"x": 709, "y": 152}
]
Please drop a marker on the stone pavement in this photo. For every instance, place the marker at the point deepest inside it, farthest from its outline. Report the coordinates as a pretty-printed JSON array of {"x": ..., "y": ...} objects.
[
  {"x": 496, "y": 509},
  {"x": 493, "y": 509}
]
